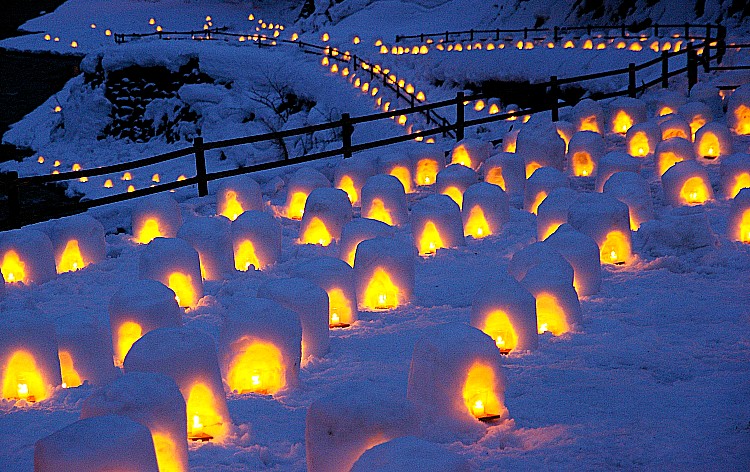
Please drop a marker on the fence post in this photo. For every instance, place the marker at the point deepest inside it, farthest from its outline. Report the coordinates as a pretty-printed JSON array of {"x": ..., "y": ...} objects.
[
  {"x": 721, "y": 45},
  {"x": 421, "y": 37},
  {"x": 471, "y": 35},
  {"x": 557, "y": 34},
  {"x": 631, "y": 80},
  {"x": 588, "y": 30},
  {"x": 664, "y": 69},
  {"x": 14, "y": 199},
  {"x": 497, "y": 34},
  {"x": 200, "y": 166},
  {"x": 346, "y": 135},
  {"x": 553, "y": 97},
  {"x": 656, "y": 30},
  {"x": 446, "y": 36},
  {"x": 692, "y": 65},
  {"x": 687, "y": 30},
  {"x": 525, "y": 33},
  {"x": 459, "y": 116},
  {"x": 622, "y": 31},
  {"x": 354, "y": 62}
]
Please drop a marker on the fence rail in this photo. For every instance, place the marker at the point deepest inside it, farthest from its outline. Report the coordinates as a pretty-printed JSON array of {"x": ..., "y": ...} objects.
[{"x": 14, "y": 184}]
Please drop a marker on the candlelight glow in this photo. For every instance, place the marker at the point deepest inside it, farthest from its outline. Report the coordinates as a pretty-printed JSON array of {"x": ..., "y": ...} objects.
[
  {"x": 589, "y": 123},
  {"x": 316, "y": 233},
  {"x": 744, "y": 228},
  {"x": 339, "y": 307},
  {"x": 71, "y": 259},
  {"x": 230, "y": 207},
  {"x": 259, "y": 369},
  {"x": 455, "y": 194},
  {"x": 430, "y": 240},
  {"x": 622, "y": 122},
  {"x": 404, "y": 176},
  {"x": 695, "y": 124},
  {"x": 461, "y": 156},
  {"x": 167, "y": 458},
  {"x": 615, "y": 249},
  {"x": 296, "y": 207},
  {"x": 245, "y": 257},
  {"x": 498, "y": 327},
  {"x": 709, "y": 146},
  {"x": 347, "y": 185},
  {"x": 694, "y": 191},
  {"x": 381, "y": 292},
  {"x": 476, "y": 225},
  {"x": 551, "y": 229},
  {"x": 427, "y": 170},
  {"x": 127, "y": 334},
  {"x": 70, "y": 377},
  {"x": 667, "y": 160},
  {"x": 13, "y": 268},
  {"x": 638, "y": 145},
  {"x": 478, "y": 391},
  {"x": 550, "y": 315},
  {"x": 148, "y": 231},
  {"x": 740, "y": 181},
  {"x": 583, "y": 165},
  {"x": 202, "y": 417},
  {"x": 665, "y": 110},
  {"x": 742, "y": 115},
  {"x": 378, "y": 212},
  {"x": 531, "y": 167},
  {"x": 495, "y": 176},
  {"x": 538, "y": 201},
  {"x": 674, "y": 133},
  {"x": 182, "y": 286},
  {"x": 22, "y": 379}
]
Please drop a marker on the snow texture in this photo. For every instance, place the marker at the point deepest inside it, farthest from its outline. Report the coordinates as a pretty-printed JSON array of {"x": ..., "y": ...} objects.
[
  {"x": 384, "y": 199},
  {"x": 410, "y": 453},
  {"x": 173, "y": 262},
  {"x": 211, "y": 237}
]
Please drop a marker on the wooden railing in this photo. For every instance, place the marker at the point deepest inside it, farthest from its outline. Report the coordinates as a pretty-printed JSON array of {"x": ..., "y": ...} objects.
[{"x": 20, "y": 214}]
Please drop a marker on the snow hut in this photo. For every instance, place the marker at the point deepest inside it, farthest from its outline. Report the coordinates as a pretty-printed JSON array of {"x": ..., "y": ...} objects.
[
  {"x": 553, "y": 211},
  {"x": 85, "y": 349},
  {"x": 672, "y": 151},
  {"x": 189, "y": 358},
  {"x": 310, "y": 302},
  {"x": 336, "y": 277},
  {"x": 537, "y": 254},
  {"x": 154, "y": 401},
  {"x": 686, "y": 183},
  {"x": 409, "y": 453},
  {"x": 400, "y": 165},
  {"x": 343, "y": 425},
  {"x": 539, "y": 145},
  {"x": 29, "y": 363},
  {"x": 486, "y": 210},
  {"x": 506, "y": 312},
  {"x": 565, "y": 130},
  {"x": 588, "y": 115},
  {"x": 738, "y": 226},
  {"x": 505, "y": 170},
  {"x": 26, "y": 256},
  {"x": 110, "y": 442},
  {"x": 738, "y": 111},
  {"x": 641, "y": 139},
  {"x": 558, "y": 310},
  {"x": 454, "y": 180},
  {"x": 384, "y": 273},
  {"x": 735, "y": 174},
  {"x": 584, "y": 151},
  {"x": 351, "y": 174},
  {"x": 427, "y": 163},
  {"x": 302, "y": 182},
  {"x": 666, "y": 102},
  {"x": 383, "y": 199},
  {"x": 582, "y": 254},
  {"x": 77, "y": 241},
  {"x": 256, "y": 240},
  {"x": 470, "y": 152},
  {"x": 675, "y": 126},
  {"x": 327, "y": 210},
  {"x": 358, "y": 230},
  {"x": 436, "y": 223},
  {"x": 155, "y": 216},
  {"x": 615, "y": 161},
  {"x": 455, "y": 382},
  {"x": 260, "y": 347},
  {"x": 624, "y": 112},
  {"x": 540, "y": 184},
  {"x": 211, "y": 238},
  {"x": 712, "y": 141},
  {"x": 176, "y": 264},
  {"x": 509, "y": 140},
  {"x": 236, "y": 195},
  {"x": 606, "y": 220},
  {"x": 138, "y": 307},
  {"x": 697, "y": 114},
  {"x": 632, "y": 190}
]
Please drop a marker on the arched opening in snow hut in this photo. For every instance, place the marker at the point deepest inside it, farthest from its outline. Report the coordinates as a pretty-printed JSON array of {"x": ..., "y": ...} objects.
[
  {"x": 478, "y": 393},
  {"x": 622, "y": 122},
  {"x": 639, "y": 145},
  {"x": 582, "y": 164},
  {"x": 615, "y": 249},
  {"x": 666, "y": 159},
  {"x": 455, "y": 193},
  {"x": 379, "y": 212},
  {"x": 127, "y": 334},
  {"x": 346, "y": 184},
  {"x": 71, "y": 258},
  {"x": 709, "y": 145},
  {"x": 551, "y": 316},
  {"x": 14, "y": 268},
  {"x": 22, "y": 379},
  {"x": 203, "y": 420},
  {"x": 296, "y": 205},
  {"x": 316, "y": 232},
  {"x": 245, "y": 256},
  {"x": 427, "y": 170},
  {"x": 495, "y": 176},
  {"x": 694, "y": 191},
  {"x": 340, "y": 309},
  {"x": 429, "y": 239},
  {"x": 70, "y": 376},
  {"x": 182, "y": 285},
  {"x": 531, "y": 167},
  {"x": 229, "y": 205},
  {"x": 476, "y": 224},
  {"x": 538, "y": 199},
  {"x": 148, "y": 230},
  {"x": 403, "y": 174},
  {"x": 739, "y": 181},
  {"x": 167, "y": 456},
  {"x": 381, "y": 292},
  {"x": 498, "y": 326},
  {"x": 258, "y": 369},
  {"x": 741, "y": 119},
  {"x": 589, "y": 123}
]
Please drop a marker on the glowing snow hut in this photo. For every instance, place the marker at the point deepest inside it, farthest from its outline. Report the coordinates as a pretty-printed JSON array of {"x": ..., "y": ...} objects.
[
  {"x": 237, "y": 195},
  {"x": 735, "y": 174},
  {"x": 327, "y": 210},
  {"x": 471, "y": 152},
  {"x": 505, "y": 170},
  {"x": 686, "y": 183},
  {"x": 615, "y": 161},
  {"x": 632, "y": 190},
  {"x": 77, "y": 241},
  {"x": 176, "y": 264},
  {"x": 336, "y": 277},
  {"x": 738, "y": 227},
  {"x": 26, "y": 256},
  {"x": 350, "y": 176},
  {"x": 155, "y": 216},
  {"x": 486, "y": 210},
  {"x": 384, "y": 199},
  {"x": 85, "y": 349},
  {"x": 624, "y": 112},
  {"x": 436, "y": 223},
  {"x": 539, "y": 185},
  {"x": 558, "y": 310},
  {"x": 588, "y": 115},
  {"x": 256, "y": 240},
  {"x": 302, "y": 182},
  {"x": 211, "y": 238},
  {"x": 584, "y": 151},
  {"x": 712, "y": 141},
  {"x": 606, "y": 220},
  {"x": 641, "y": 139},
  {"x": 358, "y": 230},
  {"x": 384, "y": 273},
  {"x": 672, "y": 151},
  {"x": 553, "y": 211},
  {"x": 582, "y": 253},
  {"x": 454, "y": 180}
]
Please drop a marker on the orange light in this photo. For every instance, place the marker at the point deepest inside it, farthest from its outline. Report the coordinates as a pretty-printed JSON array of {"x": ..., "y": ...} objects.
[
  {"x": 740, "y": 181},
  {"x": 379, "y": 212},
  {"x": 622, "y": 122},
  {"x": 498, "y": 327},
  {"x": 202, "y": 417},
  {"x": 615, "y": 249},
  {"x": 666, "y": 160},
  {"x": 455, "y": 194},
  {"x": 22, "y": 379},
  {"x": 635, "y": 47},
  {"x": 461, "y": 155},
  {"x": 316, "y": 233},
  {"x": 381, "y": 293},
  {"x": 709, "y": 146},
  {"x": 479, "y": 105},
  {"x": 149, "y": 231},
  {"x": 694, "y": 191},
  {"x": 259, "y": 369},
  {"x": 71, "y": 258},
  {"x": 665, "y": 110},
  {"x": 589, "y": 123},
  {"x": 13, "y": 268},
  {"x": 476, "y": 225},
  {"x": 551, "y": 229},
  {"x": 427, "y": 170},
  {"x": 296, "y": 207},
  {"x": 531, "y": 167},
  {"x": 108, "y": 183},
  {"x": 550, "y": 315},
  {"x": 246, "y": 257},
  {"x": 230, "y": 206},
  {"x": 538, "y": 201},
  {"x": 638, "y": 145},
  {"x": 583, "y": 165},
  {"x": 478, "y": 391},
  {"x": 495, "y": 176},
  {"x": 404, "y": 176},
  {"x": 347, "y": 185},
  {"x": 430, "y": 240},
  {"x": 127, "y": 176},
  {"x": 745, "y": 227},
  {"x": 167, "y": 457},
  {"x": 127, "y": 333},
  {"x": 70, "y": 377},
  {"x": 182, "y": 285},
  {"x": 588, "y": 44},
  {"x": 695, "y": 124},
  {"x": 742, "y": 115},
  {"x": 568, "y": 45},
  {"x": 673, "y": 133}
]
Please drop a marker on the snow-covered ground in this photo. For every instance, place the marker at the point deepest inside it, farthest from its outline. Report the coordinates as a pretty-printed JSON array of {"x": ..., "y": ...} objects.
[{"x": 657, "y": 378}]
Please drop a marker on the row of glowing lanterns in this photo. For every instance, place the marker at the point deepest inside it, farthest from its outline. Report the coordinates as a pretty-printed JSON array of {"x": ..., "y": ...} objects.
[{"x": 108, "y": 183}]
